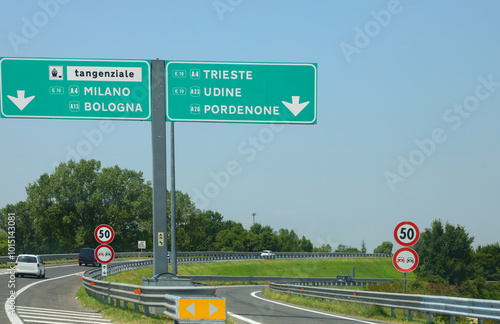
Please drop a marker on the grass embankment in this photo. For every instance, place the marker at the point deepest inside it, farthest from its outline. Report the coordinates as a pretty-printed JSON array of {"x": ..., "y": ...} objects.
[
  {"x": 348, "y": 308},
  {"x": 119, "y": 315},
  {"x": 364, "y": 268},
  {"x": 122, "y": 315}
]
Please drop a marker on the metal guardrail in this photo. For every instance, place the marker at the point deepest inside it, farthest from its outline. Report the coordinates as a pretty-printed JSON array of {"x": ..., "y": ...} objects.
[
  {"x": 215, "y": 256},
  {"x": 74, "y": 256},
  {"x": 153, "y": 299},
  {"x": 453, "y": 306}
]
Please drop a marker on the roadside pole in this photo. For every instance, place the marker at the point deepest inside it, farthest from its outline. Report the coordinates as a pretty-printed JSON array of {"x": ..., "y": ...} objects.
[
  {"x": 159, "y": 147},
  {"x": 173, "y": 227}
]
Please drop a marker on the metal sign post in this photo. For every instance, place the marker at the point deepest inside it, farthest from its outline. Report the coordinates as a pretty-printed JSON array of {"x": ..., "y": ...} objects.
[
  {"x": 173, "y": 216},
  {"x": 141, "y": 245},
  {"x": 406, "y": 259},
  {"x": 159, "y": 143}
]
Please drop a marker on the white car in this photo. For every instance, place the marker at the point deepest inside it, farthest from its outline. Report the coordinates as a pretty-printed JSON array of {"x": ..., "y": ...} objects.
[
  {"x": 30, "y": 264},
  {"x": 268, "y": 254}
]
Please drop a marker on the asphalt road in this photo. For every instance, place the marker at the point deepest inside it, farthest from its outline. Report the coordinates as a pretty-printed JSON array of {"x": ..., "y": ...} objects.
[
  {"x": 49, "y": 300},
  {"x": 52, "y": 300},
  {"x": 247, "y": 305}
]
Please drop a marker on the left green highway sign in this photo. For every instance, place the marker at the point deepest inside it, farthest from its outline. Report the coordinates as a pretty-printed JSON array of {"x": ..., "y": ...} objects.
[{"x": 75, "y": 89}]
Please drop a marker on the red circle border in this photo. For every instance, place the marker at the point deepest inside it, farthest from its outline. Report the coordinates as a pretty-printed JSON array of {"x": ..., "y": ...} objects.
[
  {"x": 417, "y": 236},
  {"x": 412, "y": 251},
  {"x": 112, "y": 253},
  {"x": 109, "y": 228}
]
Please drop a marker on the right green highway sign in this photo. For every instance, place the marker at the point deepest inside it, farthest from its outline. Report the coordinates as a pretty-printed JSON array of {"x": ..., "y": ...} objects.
[{"x": 235, "y": 92}]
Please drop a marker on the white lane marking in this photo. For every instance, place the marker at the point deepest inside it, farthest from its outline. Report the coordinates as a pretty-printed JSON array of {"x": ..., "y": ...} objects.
[
  {"x": 7, "y": 271},
  {"x": 60, "y": 313},
  {"x": 13, "y": 318},
  {"x": 244, "y": 319},
  {"x": 37, "y": 318},
  {"x": 254, "y": 294}
]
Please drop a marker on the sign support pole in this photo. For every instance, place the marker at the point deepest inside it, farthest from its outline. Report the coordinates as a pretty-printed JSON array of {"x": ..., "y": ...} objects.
[
  {"x": 173, "y": 226},
  {"x": 404, "y": 286},
  {"x": 159, "y": 146}
]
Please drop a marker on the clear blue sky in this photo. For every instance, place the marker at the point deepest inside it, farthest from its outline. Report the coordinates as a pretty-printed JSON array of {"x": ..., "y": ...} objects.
[{"x": 408, "y": 109}]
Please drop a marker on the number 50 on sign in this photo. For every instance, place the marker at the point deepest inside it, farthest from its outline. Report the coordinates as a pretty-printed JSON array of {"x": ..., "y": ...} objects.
[
  {"x": 104, "y": 234},
  {"x": 406, "y": 233}
]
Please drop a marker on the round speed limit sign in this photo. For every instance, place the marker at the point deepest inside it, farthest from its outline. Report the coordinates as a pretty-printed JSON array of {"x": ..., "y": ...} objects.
[
  {"x": 406, "y": 233},
  {"x": 104, "y": 234}
]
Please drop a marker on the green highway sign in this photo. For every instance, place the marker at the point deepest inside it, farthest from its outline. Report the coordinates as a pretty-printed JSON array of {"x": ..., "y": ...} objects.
[
  {"x": 241, "y": 92},
  {"x": 75, "y": 89}
]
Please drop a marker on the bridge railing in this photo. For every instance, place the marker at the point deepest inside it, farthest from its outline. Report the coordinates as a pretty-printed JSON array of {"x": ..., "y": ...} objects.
[
  {"x": 289, "y": 280},
  {"x": 208, "y": 256}
]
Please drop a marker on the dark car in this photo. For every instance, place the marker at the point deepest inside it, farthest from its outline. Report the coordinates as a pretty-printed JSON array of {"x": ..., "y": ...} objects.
[
  {"x": 87, "y": 257},
  {"x": 342, "y": 278}
]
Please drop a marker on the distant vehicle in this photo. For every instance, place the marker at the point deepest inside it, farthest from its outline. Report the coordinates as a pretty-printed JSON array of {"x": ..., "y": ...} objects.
[
  {"x": 86, "y": 256},
  {"x": 268, "y": 254},
  {"x": 30, "y": 264},
  {"x": 342, "y": 278}
]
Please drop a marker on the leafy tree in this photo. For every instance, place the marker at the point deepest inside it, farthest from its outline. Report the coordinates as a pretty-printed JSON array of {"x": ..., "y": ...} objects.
[
  {"x": 323, "y": 248},
  {"x": 288, "y": 241},
  {"x": 363, "y": 247},
  {"x": 185, "y": 211},
  {"x": 346, "y": 249},
  {"x": 126, "y": 205},
  {"x": 384, "y": 248},
  {"x": 230, "y": 238},
  {"x": 4, "y": 247},
  {"x": 305, "y": 245},
  {"x": 25, "y": 238},
  {"x": 63, "y": 209},
  {"x": 269, "y": 239},
  {"x": 445, "y": 252},
  {"x": 487, "y": 259},
  {"x": 256, "y": 229}
]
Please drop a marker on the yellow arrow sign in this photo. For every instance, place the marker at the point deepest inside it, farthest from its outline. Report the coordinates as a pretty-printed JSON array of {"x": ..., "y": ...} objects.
[{"x": 202, "y": 308}]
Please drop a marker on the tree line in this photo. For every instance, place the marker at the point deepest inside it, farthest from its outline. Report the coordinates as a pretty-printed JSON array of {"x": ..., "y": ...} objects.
[
  {"x": 62, "y": 210},
  {"x": 446, "y": 254}
]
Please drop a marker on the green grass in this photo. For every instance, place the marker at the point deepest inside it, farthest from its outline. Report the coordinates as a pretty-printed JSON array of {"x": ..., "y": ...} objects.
[
  {"x": 348, "y": 308},
  {"x": 122, "y": 315},
  {"x": 117, "y": 314},
  {"x": 364, "y": 268}
]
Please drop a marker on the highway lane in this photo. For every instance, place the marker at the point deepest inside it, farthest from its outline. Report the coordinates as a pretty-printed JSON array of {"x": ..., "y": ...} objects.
[
  {"x": 62, "y": 283},
  {"x": 51, "y": 299},
  {"x": 247, "y": 305}
]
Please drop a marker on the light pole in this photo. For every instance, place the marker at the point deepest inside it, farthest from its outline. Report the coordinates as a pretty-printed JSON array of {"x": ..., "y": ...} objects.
[{"x": 253, "y": 214}]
